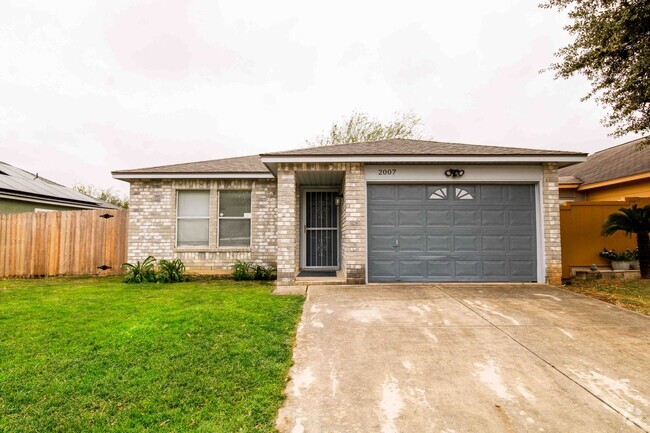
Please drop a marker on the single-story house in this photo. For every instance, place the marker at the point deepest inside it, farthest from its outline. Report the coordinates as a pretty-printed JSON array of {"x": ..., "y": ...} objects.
[
  {"x": 611, "y": 174},
  {"x": 22, "y": 191},
  {"x": 383, "y": 211}
]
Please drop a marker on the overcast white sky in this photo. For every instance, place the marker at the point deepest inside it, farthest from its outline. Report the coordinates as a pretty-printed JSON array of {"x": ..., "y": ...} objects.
[{"x": 88, "y": 87}]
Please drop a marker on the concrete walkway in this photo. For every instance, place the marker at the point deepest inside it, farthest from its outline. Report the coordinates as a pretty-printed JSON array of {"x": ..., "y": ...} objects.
[{"x": 466, "y": 358}]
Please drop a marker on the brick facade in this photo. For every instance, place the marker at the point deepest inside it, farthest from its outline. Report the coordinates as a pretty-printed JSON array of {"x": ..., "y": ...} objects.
[
  {"x": 551, "y": 215},
  {"x": 275, "y": 236},
  {"x": 152, "y": 223},
  {"x": 353, "y": 224}
]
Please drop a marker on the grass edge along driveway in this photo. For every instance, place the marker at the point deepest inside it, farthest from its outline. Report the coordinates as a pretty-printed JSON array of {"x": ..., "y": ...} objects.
[
  {"x": 632, "y": 294},
  {"x": 95, "y": 355}
]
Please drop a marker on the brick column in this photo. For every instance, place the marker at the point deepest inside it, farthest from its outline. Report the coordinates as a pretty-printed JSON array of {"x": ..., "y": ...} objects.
[
  {"x": 552, "y": 245},
  {"x": 353, "y": 224},
  {"x": 287, "y": 220}
]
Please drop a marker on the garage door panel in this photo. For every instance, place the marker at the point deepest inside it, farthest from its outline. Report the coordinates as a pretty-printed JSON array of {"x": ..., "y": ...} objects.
[
  {"x": 382, "y": 194},
  {"x": 522, "y": 268},
  {"x": 492, "y": 194},
  {"x": 468, "y": 268},
  {"x": 438, "y": 217},
  {"x": 521, "y": 218},
  {"x": 411, "y": 217},
  {"x": 521, "y": 194},
  {"x": 493, "y": 218},
  {"x": 410, "y": 193},
  {"x": 414, "y": 243},
  {"x": 440, "y": 269},
  {"x": 382, "y": 218},
  {"x": 493, "y": 243},
  {"x": 490, "y": 235},
  {"x": 412, "y": 269},
  {"x": 439, "y": 243},
  {"x": 495, "y": 268},
  {"x": 466, "y": 243},
  {"x": 385, "y": 269},
  {"x": 522, "y": 243},
  {"x": 466, "y": 217},
  {"x": 382, "y": 242}
]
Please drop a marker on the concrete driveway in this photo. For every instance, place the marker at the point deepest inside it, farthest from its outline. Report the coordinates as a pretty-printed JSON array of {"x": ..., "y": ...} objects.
[{"x": 466, "y": 358}]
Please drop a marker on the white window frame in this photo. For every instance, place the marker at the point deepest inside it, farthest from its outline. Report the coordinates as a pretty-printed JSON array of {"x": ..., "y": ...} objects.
[
  {"x": 207, "y": 244},
  {"x": 250, "y": 219}
]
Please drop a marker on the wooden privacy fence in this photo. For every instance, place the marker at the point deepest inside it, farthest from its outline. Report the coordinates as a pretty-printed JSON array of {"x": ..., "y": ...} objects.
[
  {"x": 63, "y": 243},
  {"x": 580, "y": 226}
]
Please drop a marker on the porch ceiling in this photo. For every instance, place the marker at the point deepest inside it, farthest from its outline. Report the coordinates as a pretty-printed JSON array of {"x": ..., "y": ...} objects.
[{"x": 320, "y": 178}]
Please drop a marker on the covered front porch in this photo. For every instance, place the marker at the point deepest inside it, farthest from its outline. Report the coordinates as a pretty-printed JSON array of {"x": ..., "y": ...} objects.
[{"x": 321, "y": 223}]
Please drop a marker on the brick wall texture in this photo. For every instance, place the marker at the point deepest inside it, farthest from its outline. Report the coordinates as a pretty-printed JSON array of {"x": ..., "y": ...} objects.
[
  {"x": 152, "y": 223},
  {"x": 551, "y": 215},
  {"x": 275, "y": 236}
]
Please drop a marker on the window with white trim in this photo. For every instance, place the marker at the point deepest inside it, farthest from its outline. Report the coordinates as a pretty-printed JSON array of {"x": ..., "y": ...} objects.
[
  {"x": 234, "y": 218},
  {"x": 193, "y": 218}
]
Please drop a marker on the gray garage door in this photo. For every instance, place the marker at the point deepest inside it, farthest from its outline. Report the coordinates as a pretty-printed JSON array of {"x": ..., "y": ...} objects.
[{"x": 451, "y": 233}]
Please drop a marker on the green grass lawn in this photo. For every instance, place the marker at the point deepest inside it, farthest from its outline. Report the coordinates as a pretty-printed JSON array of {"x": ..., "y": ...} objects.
[
  {"x": 94, "y": 355},
  {"x": 633, "y": 295}
]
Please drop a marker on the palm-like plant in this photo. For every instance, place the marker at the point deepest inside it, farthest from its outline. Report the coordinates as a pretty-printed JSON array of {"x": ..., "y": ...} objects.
[{"x": 633, "y": 220}]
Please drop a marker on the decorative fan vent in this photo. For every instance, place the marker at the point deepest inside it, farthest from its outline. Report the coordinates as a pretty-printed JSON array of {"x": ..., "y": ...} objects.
[
  {"x": 440, "y": 193},
  {"x": 463, "y": 194}
]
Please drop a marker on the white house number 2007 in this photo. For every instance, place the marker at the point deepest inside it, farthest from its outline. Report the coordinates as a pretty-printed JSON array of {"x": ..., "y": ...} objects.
[{"x": 387, "y": 171}]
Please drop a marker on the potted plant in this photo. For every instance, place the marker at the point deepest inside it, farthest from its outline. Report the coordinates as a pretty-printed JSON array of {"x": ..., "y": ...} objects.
[
  {"x": 619, "y": 261},
  {"x": 633, "y": 220}
]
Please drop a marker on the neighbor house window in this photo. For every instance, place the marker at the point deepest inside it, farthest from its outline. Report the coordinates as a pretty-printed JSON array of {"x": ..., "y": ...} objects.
[
  {"x": 193, "y": 218},
  {"x": 234, "y": 218}
]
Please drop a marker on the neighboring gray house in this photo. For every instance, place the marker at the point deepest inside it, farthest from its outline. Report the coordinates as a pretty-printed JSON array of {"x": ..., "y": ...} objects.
[
  {"x": 21, "y": 191},
  {"x": 384, "y": 211}
]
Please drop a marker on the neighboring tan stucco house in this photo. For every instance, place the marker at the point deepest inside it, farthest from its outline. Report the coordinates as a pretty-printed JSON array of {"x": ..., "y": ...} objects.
[
  {"x": 22, "y": 191},
  {"x": 611, "y": 174},
  {"x": 385, "y": 211}
]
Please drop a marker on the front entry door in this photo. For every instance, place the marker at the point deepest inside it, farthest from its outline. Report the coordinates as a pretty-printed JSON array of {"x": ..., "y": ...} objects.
[{"x": 320, "y": 234}]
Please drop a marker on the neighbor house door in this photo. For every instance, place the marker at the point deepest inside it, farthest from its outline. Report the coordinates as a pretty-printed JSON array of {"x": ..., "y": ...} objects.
[{"x": 320, "y": 230}]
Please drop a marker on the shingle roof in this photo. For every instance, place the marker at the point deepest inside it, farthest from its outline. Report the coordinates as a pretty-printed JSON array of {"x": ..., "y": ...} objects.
[
  {"x": 253, "y": 164},
  {"x": 613, "y": 163},
  {"x": 20, "y": 183},
  {"x": 404, "y": 147},
  {"x": 240, "y": 164}
]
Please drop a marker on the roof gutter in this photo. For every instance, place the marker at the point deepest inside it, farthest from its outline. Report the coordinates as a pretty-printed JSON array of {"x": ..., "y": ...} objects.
[
  {"x": 76, "y": 205},
  {"x": 632, "y": 178},
  {"x": 130, "y": 176}
]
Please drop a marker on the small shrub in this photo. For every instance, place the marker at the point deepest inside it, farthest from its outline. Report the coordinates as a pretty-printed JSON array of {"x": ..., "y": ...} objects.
[
  {"x": 265, "y": 273},
  {"x": 170, "y": 271},
  {"x": 626, "y": 255},
  {"x": 140, "y": 272},
  {"x": 247, "y": 271},
  {"x": 243, "y": 271}
]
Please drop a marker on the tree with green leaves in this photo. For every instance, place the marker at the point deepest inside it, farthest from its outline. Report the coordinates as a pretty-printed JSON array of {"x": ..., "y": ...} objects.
[
  {"x": 611, "y": 47},
  {"x": 633, "y": 220},
  {"x": 103, "y": 194},
  {"x": 360, "y": 127}
]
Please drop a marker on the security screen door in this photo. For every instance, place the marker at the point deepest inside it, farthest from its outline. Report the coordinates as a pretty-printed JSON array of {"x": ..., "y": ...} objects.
[{"x": 320, "y": 230}]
